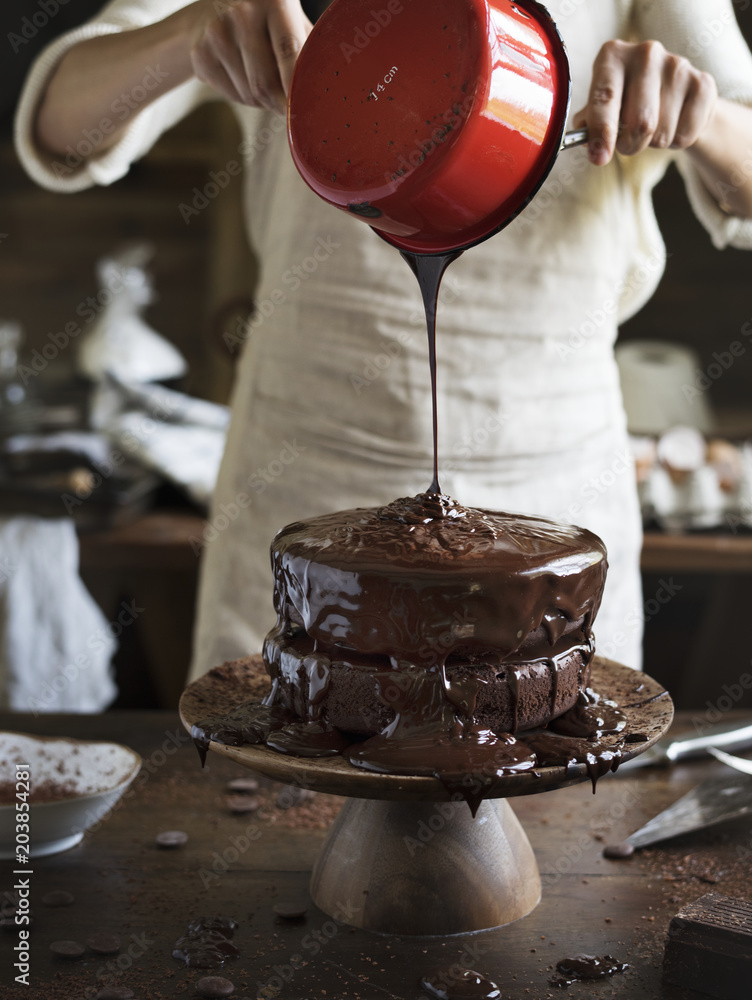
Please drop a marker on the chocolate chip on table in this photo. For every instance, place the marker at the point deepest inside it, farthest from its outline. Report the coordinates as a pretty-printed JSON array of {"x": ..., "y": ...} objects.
[
  {"x": 618, "y": 851},
  {"x": 115, "y": 993},
  {"x": 59, "y": 897},
  {"x": 67, "y": 949},
  {"x": 290, "y": 911},
  {"x": 292, "y": 795},
  {"x": 213, "y": 987},
  {"x": 242, "y": 803},
  {"x": 245, "y": 786},
  {"x": 104, "y": 944},
  {"x": 172, "y": 838}
]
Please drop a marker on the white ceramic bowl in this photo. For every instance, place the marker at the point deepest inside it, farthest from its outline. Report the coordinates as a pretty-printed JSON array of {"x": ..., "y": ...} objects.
[{"x": 94, "y": 776}]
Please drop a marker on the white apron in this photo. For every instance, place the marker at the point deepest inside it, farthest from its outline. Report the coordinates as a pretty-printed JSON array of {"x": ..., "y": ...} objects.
[{"x": 331, "y": 407}]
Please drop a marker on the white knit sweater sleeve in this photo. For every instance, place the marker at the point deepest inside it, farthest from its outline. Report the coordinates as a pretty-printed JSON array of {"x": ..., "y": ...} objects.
[
  {"x": 707, "y": 33},
  {"x": 73, "y": 172}
]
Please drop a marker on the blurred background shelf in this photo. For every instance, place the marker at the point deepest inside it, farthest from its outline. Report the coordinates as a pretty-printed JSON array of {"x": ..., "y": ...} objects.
[
  {"x": 695, "y": 553},
  {"x": 171, "y": 540}
]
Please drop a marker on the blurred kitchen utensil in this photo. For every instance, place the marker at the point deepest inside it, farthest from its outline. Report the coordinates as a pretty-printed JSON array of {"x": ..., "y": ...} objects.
[
  {"x": 654, "y": 376},
  {"x": 733, "y": 735},
  {"x": 739, "y": 763},
  {"x": 714, "y": 801}
]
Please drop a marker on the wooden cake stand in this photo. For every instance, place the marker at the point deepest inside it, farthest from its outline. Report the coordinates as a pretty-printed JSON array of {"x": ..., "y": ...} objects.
[{"x": 402, "y": 856}]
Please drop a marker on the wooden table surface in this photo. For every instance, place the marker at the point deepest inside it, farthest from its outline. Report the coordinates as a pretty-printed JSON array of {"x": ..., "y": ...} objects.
[{"x": 240, "y": 865}]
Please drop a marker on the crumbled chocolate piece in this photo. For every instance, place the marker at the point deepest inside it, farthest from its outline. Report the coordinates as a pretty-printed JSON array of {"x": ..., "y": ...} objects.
[
  {"x": 585, "y": 967},
  {"x": 207, "y": 943},
  {"x": 104, "y": 944},
  {"x": 292, "y": 795},
  {"x": 290, "y": 910},
  {"x": 59, "y": 897},
  {"x": 617, "y": 851},
  {"x": 67, "y": 949},
  {"x": 171, "y": 839},
  {"x": 243, "y": 786},
  {"x": 214, "y": 987},
  {"x": 460, "y": 984},
  {"x": 240, "y": 804}
]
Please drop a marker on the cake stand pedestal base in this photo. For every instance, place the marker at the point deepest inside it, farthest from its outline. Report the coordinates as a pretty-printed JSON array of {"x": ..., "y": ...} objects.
[
  {"x": 426, "y": 867},
  {"x": 402, "y": 857}
]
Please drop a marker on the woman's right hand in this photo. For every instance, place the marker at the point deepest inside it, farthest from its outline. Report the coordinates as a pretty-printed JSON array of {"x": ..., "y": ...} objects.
[{"x": 246, "y": 49}]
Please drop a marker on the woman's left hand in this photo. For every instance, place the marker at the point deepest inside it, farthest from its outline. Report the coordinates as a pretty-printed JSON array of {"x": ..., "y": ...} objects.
[{"x": 642, "y": 95}]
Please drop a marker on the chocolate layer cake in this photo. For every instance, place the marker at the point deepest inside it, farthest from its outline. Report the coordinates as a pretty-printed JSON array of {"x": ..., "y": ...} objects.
[{"x": 450, "y": 617}]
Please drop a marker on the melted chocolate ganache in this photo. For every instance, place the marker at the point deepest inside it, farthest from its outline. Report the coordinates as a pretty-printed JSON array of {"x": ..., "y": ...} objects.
[{"x": 424, "y": 606}]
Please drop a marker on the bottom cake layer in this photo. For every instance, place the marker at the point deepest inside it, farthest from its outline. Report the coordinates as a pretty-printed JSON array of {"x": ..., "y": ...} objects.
[{"x": 362, "y": 694}]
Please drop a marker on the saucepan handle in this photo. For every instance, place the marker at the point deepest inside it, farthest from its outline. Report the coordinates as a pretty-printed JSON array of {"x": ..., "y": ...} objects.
[{"x": 577, "y": 137}]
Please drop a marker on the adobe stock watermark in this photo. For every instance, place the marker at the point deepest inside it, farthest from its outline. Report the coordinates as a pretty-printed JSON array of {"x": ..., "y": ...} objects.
[
  {"x": 441, "y": 815},
  {"x": 220, "y": 862},
  {"x": 258, "y": 482},
  {"x": 363, "y": 36},
  {"x": 741, "y": 517},
  {"x": 710, "y": 30},
  {"x": 32, "y": 24},
  {"x": 7, "y": 567},
  {"x": 110, "y": 973},
  {"x": 607, "y": 312},
  {"x": 122, "y": 108},
  {"x": 471, "y": 442},
  {"x": 731, "y": 695},
  {"x": 150, "y": 765},
  {"x": 97, "y": 642},
  {"x": 598, "y": 484},
  {"x": 58, "y": 341},
  {"x": 637, "y": 617},
  {"x": 389, "y": 350},
  {"x": 722, "y": 361},
  {"x": 442, "y": 125},
  {"x": 444, "y": 981},
  {"x": 132, "y": 439},
  {"x": 291, "y": 280},
  {"x": 311, "y": 944},
  {"x": 220, "y": 179},
  {"x": 574, "y": 851}
]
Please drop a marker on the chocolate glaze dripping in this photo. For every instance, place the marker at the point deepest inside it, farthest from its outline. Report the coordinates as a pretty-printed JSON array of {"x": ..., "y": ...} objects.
[
  {"x": 581, "y": 967},
  {"x": 554, "y": 684},
  {"x": 207, "y": 944},
  {"x": 460, "y": 984},
  {"x": 443, "y": 739},
  {"x": 367, "y": 580},
  {"x": 432, "y": 604},
  {"x": 591, "y": 717},
  {"x": 429, "y": 270},
  {"x": 249, "y": 723}
]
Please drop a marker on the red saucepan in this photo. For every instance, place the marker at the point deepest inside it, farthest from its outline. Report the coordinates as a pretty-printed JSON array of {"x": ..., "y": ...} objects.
[{"x": 435, "y": 121}]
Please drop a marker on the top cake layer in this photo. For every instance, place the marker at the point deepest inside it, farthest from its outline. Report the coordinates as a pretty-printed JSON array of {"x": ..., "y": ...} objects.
[{"x": 425, "y": 579}]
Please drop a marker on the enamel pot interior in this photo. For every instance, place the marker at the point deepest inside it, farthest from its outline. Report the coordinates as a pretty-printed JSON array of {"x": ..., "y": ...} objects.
[{"x": 434, "y": 121}]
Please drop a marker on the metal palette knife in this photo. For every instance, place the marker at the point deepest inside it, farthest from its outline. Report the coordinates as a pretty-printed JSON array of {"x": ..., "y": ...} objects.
[{"x": 716, "y": 800}]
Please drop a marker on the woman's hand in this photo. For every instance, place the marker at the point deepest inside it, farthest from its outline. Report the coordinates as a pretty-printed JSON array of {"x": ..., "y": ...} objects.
[
  {"x": 640, "y": 96},
  {"x": 246, "y": 49}
]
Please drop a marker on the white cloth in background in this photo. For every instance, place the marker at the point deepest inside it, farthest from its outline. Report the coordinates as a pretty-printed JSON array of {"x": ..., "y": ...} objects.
[
  {"x": 55, "y": 643},
  {"x": 331, "y": 406},
  {"x": 179, "y": 436}
]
